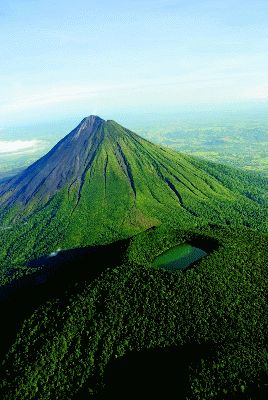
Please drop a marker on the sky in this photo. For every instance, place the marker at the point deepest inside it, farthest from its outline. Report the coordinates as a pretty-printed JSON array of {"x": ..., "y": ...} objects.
[{"x": 67, "y": 59}]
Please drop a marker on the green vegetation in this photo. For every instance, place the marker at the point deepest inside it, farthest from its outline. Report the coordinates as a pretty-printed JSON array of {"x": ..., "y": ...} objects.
[
  {"x": 64, "y": 348},
  {"x": 154, "y": 185},
  {"x": 66, "y": 345},
  {"x": 240, "y": 144}
]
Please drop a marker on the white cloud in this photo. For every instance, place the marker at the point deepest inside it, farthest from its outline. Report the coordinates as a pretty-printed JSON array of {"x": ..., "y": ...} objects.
[
  {"x": 19, "y": 146},
  {"x": 52, "y": 96}
]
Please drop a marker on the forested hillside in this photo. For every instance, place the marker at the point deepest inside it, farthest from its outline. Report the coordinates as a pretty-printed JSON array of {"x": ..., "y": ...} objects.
[{"x": 210, "y": 322}]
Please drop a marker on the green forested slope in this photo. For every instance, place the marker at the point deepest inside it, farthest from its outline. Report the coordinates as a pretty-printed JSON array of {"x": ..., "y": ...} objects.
[{"x": 215, "y": 314}]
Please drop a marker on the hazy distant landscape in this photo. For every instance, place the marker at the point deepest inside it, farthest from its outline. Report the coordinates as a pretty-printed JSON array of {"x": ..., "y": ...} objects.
[{"x": 238, "y": 145}]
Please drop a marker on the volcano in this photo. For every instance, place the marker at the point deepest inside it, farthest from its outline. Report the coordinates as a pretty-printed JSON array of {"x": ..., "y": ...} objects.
[
  {"x": 83, "y": 317},
  {"x": 103, "y": 182}
]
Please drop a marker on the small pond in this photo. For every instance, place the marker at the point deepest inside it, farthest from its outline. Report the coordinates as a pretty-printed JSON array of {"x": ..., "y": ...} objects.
[{"x": 178, "y": 257}]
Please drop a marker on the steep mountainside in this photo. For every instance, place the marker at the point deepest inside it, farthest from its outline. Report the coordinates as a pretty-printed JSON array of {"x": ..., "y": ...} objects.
[{"x": 103, "y": 182}]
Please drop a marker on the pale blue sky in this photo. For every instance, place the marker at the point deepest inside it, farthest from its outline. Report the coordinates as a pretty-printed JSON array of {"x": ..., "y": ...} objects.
[{"x": 62, "y": 58}]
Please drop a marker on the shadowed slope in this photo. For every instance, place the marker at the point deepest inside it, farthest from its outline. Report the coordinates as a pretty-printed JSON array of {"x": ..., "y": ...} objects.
[{"x": 64, "y": 164}]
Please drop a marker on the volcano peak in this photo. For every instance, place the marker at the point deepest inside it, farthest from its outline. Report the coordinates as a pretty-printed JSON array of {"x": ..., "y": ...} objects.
[
  {"x": 93, "y": 119},
  {"x": 88, "y": 125}
]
